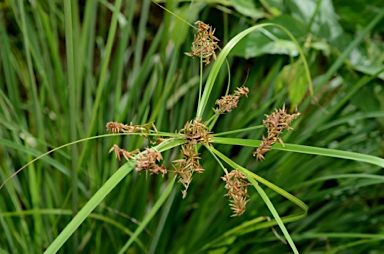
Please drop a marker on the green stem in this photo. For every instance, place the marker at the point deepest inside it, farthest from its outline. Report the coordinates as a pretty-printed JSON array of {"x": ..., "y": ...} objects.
[
  {"x": 72, "y": 109},
  {"x": 201, "y": 77},
  {"x": 305, "y": 149},
  {"x": 239, "y": 130}
]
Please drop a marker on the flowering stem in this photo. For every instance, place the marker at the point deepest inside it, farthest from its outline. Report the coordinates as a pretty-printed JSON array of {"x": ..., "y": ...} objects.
[
  {"x": 201, "y": 76},
  {"x": 239, "y": 130}
]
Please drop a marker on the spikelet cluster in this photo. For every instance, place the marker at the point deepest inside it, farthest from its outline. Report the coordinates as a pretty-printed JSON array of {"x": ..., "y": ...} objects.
[
  {"x": 186, "y": 166},
  {"x": 194, "y": 132},
  {"x": 237, "y": 191},
  {"x": 115, "y": 127},
  {"x": 275, "y": 123},
  {"x": 204, "y": 43},
  {"x": 121, "y": 152},
  {"x": 149, "y": 160},
  {"x": 230, "y": 101}
]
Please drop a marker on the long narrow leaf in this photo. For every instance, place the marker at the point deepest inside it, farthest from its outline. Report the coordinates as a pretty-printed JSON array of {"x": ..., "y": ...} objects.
[
  {"x": 252, "y": 177},
  {"x": 149, "y": 217},
  {"x": 305, "y": 149},
  {"x": 90, "y": 206}
]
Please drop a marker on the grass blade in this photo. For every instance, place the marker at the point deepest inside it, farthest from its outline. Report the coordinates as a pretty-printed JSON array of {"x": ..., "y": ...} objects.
[
  {"x": 253, "y": 178},
  {"x": 108, "y": 186},
  {"x": 89, "y": 207},
  {"x": 72, "y": 106},
  {"x": 306, "y": 150},
  {"x": 149, "y": 217}
]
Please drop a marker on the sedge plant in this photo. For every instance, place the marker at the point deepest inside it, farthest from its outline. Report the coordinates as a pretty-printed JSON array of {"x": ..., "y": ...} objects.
[{"x": 198, "y": 134}]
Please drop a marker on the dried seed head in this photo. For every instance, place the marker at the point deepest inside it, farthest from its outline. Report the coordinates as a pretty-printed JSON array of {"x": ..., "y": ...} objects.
[
  {"x": 148, "y": 161},
  {"x": 204, "y": 43},
  {"x": 185, "y": 167},
  {"x": 196, "y": 132},
  {"x": 275, "y": 123},
  {"x": 237, "y": 191},
  {"x": 242, "y": 91},
  {"x": 119, "y": 151},
  {"x": 115, "y": 127},
  {"x": 144, "y": 129},
  {"x": 226, "y": 103},
  {"x": 230, "y": 101}
]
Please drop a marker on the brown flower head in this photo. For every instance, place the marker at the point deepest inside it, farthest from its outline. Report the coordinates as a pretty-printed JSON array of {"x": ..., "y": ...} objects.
[
  {"x": 196, "y": 132},
  {"x": 115, "y": 127},
  {"x": 275, "y": 123},
  {"x": 186, "y": 166},
  {"x": 230, "y": 101},
  {"x": 148, "y": 161},
  {"x": 119, "y": 151},
  {"x": 204, "y": 43},
  {"x": 242, "y": 91},
  {"x": 144, "y": 129},
  {"x": 237, "y": 191}
]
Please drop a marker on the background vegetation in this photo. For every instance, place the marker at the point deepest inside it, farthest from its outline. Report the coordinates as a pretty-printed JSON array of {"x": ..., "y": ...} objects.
[{"x": 69, "y": 67}]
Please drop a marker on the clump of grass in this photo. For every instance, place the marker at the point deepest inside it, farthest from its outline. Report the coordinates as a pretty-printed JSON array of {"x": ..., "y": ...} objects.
[
  {"x": 196, "y": 135},
  {"x": 190, "y": 138}
]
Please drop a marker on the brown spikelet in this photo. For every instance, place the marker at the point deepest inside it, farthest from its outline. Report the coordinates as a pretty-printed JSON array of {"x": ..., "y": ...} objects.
[
  {"x": 144, "y": 129},
  {"x": 115, "y": 127},
  {"x": 186, "y": 166},
  {"x": 242, "y": 91},
  {"x": 119, "y": 151},
  {"x": 275, "y": 123},
  {"x": 194, "y": 132},
  {"x": 148, "y": 161},
  {"x": 204, "y": 43},
  {"x": 230, "y": 101},
  {"x": 237, "y": 191}
]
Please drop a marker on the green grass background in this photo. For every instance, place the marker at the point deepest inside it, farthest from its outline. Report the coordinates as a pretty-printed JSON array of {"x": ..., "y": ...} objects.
[{"x": 68, "y": 67}]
